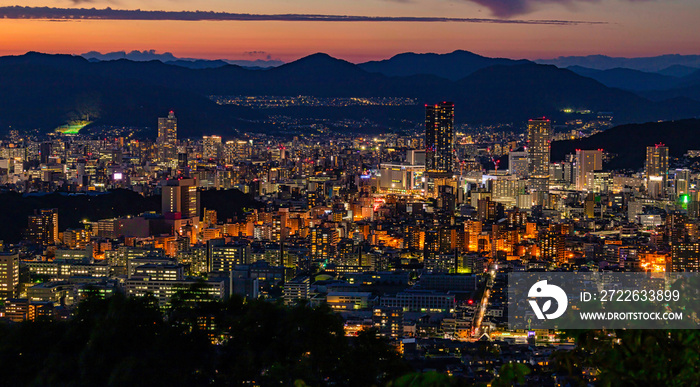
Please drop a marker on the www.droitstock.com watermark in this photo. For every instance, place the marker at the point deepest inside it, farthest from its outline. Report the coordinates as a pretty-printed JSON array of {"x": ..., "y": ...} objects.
[
  {"x": 553, "y": 300},
  {"x": 631, "y": 316}
]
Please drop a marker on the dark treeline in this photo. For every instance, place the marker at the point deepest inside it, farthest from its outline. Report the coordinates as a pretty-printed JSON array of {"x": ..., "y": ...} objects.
[
  {"x": 632, "y": 357},
  {"x": 131, "y": 341},
  {"x": 124, "y": 341},
  {"x": 74, "y": 208}
]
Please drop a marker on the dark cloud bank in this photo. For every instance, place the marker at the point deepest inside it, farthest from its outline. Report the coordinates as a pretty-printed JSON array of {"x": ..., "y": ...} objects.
[
  {"x": 509, "y": 8},
  {"x": 50, "y": 13}
]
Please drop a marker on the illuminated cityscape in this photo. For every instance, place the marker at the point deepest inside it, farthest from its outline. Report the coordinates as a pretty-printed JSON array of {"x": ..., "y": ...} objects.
[{"x": 392, "y": 232}]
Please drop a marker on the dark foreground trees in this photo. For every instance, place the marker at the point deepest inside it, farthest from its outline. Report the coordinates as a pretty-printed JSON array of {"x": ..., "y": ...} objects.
[
  {"x": 130, "y": 341},
  {"x": 199, "y": 342},
  {"x": 632, "y": 358}
]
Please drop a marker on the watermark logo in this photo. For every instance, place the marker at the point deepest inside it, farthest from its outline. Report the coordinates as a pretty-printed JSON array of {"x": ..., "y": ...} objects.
[
  {"x": 542, "y": 289},
  {"x": 603, "y": 300}
]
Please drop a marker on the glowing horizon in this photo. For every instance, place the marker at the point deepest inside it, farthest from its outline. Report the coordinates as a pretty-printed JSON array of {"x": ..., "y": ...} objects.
[{"x": 631, "y": 29}]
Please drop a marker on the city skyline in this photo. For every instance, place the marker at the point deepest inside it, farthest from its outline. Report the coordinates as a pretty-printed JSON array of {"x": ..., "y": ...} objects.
[{"x": 377, "y": 231}]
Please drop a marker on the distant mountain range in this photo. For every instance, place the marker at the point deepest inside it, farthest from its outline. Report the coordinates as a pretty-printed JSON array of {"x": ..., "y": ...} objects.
[
  {"x": 655, "y": 86},
  {"x": 678, "y": 71},
  {"x": 454, "y": 66},
  {"x": 648, "y": 64},
  {"x": 652, "y": 77},
  {"x": 629, "y": 79},
  {"x": 169, "y": 58},
  {"x": 44, "y": 91},
  {"x": 664, "y": 72}
]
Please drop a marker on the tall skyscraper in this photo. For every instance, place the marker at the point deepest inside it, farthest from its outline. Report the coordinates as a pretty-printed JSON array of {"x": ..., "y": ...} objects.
[
  {"x": 656, "y": 167},
  {"x": 9, "y": 275},
  {"x": 167, "y": 138},
  {"x": 439, "y": 138},
  {"x": 45, "y": 151},
  {"x": 538, "y": 138},
  {"x": 180, "y": 196},
  {"x": 587, "y": 161}
]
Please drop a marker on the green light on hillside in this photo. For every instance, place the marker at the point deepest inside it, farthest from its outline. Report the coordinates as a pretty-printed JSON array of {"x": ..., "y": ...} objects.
[{"x": 73, "y": 127}]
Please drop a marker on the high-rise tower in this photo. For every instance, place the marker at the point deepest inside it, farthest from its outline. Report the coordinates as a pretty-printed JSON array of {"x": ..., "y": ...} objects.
[
  {"x": 167, "y": 138},
  {"x": 656, "y": 167},
  {"x": 439, "y": 138},
  {"x": 538, "y": 138}
]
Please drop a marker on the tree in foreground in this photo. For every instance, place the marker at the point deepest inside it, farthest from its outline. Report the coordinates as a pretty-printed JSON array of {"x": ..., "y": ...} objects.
[
  {"x": 132, "y": 341},
  {"x": 632, "y": 358}
]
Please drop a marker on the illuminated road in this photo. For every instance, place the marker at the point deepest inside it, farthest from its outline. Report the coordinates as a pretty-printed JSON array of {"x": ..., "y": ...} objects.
[{"x": 483, "y": 304}]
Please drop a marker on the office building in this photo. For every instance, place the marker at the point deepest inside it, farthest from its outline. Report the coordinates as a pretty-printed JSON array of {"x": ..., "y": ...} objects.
[
  {"x": 223, "y": 258},
  {"x": 323, "y": 242},
  {"x": 163, "y": 290},
  {"x": 538, "y": 150},
  {"x": 562, "y": 174},
  {"x": 348, "y": 300},
  {"x": 45, "y": 152},
  {"x": 180, "y": 196},
  {"x": 518, "y": 164},
  {"x": 76, "y": 238},
  {"x": 420, "y": 301},
  {"x": 656, "y": 168},
  {"x": 167, "y": 139},
  {"x": 589, "y": 205},
  {"x": 211, "y": 147},
  {"x": 401, "y": 177},
  {"x": 685, "y": 257},
  {"x": 682, "y": 184},
  {"x": 59, "y": 270},
  {"x": 297, "y": 289},
  {"x": 42, "y": 227},
  {"x": 9, "y": 274},
  {"x": 587, "y": 161},
  {"x": 415, "y": 157},
  {"x": 439, "y": 138}
]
